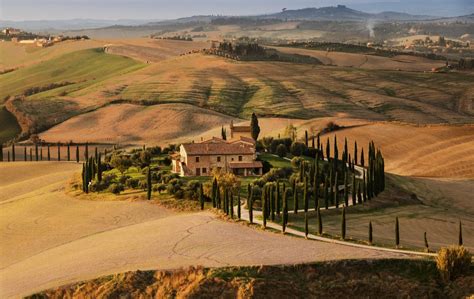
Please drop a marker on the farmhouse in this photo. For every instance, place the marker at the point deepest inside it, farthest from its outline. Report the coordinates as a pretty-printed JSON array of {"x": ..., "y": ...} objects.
[{"x": 199, "y": 159}]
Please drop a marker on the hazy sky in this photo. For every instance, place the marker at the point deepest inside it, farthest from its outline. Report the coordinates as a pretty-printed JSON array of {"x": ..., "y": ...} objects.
[{"x": 167, "y": 9}]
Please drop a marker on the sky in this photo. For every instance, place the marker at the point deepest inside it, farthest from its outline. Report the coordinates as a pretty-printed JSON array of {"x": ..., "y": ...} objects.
[{"x": 18, "y": 10}]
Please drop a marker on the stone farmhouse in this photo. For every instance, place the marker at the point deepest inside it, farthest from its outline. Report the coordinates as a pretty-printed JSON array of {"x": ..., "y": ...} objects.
[{"x": 237, "y": 155}]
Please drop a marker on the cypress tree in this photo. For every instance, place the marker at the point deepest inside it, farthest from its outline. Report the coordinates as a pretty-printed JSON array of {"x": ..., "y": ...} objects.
[
  {"x": 1, "y": 152},
  {"x": 359, "y": 194},
  {"x": 99, "y": 168},
  {"x": 320, "y": 221},
  {"x": 86, "y": 151},
  {"x": 312, "y": 142},
  {"x": 306, "y": 138},
  {"x": 254, "y": 127},
  {"x": 277, "y": 198},
  {"x": 250, "y": 206},
  {"x": 427, "y": 247},
  {"x": 148, "y": 184},
  {"x": 272, "y": 202},
  {"x": 214, "y": 190},
  {"x": 31, "y": 154},
  {"x": 49, "y": 153},
  {"x": 316, "y": 182},
  {"x": 336, "y": 193},
  {"x": 41, "y": 153},
  {"x": 286, "y": 194},
  {"x": 264, "y": 209},
  {"x": 96, "y": 152},
  {"x": 355, "y": 152},
  {"x": 218, "y": 198},
  {"x": 346, "y": 151},
  {"x": 353, "y": 189},
  {"x": 238, "y": 205},
  {"x": 346, "y": 192},
  {"x": 397, "y": 233},
  {"x": 328, "y": 150},
  {"x": 226, "y": 201},
  {"x": 331, "y": 196},
  {"x": 318, "y": 143},
  {"x": 13, "y": 152},
  {"x": 59, "y": 152},
  {"x": 362, "y": 160},
  {"x": 305, "y": 195},
  {"x": 8, "y": 154},
  {"x": 77, "y": 153},
  {"x": 370, "y": 233},
  {"x": 306, "y": 229},
  {"x": 343, "y": 224},
  {"x": 295, "y": 198},
  {"x": 25, "y": 155},
  {"x": 36, "y": 151},
  {"x": 326, "y": 193},
  {"x": 68, "y": 151},
  {"x": 364, "y": 188},
  {"x": 460, "y": 242}
]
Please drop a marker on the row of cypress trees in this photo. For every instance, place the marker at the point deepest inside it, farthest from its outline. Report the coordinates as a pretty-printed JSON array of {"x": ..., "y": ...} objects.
[
  {"x": 222, "y": 198},
  {"x": 37, "y": 154}
]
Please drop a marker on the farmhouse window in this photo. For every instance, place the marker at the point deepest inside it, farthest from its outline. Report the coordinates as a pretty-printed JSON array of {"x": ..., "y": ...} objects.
[
  {"x": 218, "y": 158},
  {"x": 240, "y": 158},
  {"x": 197, "y": 159}
]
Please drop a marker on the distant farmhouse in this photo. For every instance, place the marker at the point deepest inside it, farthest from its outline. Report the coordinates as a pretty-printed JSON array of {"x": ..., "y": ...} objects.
[{"x": 237, "y": 155}]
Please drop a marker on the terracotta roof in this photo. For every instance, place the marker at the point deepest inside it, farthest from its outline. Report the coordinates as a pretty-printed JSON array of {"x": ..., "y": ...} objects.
[
  {"x": 218, "y": 148},
  {"x": 254, "y": 164},
  {"x": 244, "y": 139},
  {"x": 214, "y": 140}
]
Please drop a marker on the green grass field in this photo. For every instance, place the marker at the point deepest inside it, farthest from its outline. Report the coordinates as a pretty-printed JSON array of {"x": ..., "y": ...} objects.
[{"x": 85, "y": 67}]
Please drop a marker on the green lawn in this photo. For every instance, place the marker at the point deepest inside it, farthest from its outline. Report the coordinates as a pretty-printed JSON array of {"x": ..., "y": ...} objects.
[
  {"x": 84, "y": 67},
  {"x": 275, "y": 161}
]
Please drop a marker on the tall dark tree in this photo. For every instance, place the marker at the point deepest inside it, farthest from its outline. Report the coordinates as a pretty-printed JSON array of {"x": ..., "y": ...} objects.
[
  {"x": 1, "y": 152},
  {"x": 13, "y": 152},
  {"x": 59, "y": 151},
  {"x": 370, "y": 233},
  {"x": 346, "y": 151},
  {"x": 460, "y": 241},
  {"x": 277, "y": 198},
  {"x": 359, "y": 193},
  {"x": 99, "y": 168},
  {"x": 427, "y": 247},
  {"x": 231, "y": 204},
  {"x": 254, "y": 127},
  {"x": 336, "y": 193},
  {"x": 355, "y": 152},
  {"x": 306, "y": 138},
  {"x": 86, "y": 151},
  {"x": 326, "y": 193},
  {"x": 362, "y": 159},
  {"x": 25, "y": 155},
  {"x": 239, "y": 204},
  {"x": 223, "y": 133},
  {"x": 250, "y": 205},
  {"x": 77, "y": 153},
  {"x": 68, "y": 151},
  {"x": 320, "y": 221},
  {"x": 343, "y": 224},
  {"x": 148, "y": 183},
  {"x": 264, "y": 208},
  {"x": 328, "y": 150},
  {"x": 36, "y": 151},
  {"x": 214, "y": 191},
  {"x": 49, "y": 153},
  {"x": 397, "y": 233},
  {"x": 305, "y": 194},
  {"x": 286, "y": 194},
  {"x": 354, "y": 189},
  {"x": 346, "y": 191},
  {"x": 295, "y": 197},
  {"x": 31, "y": 154}
]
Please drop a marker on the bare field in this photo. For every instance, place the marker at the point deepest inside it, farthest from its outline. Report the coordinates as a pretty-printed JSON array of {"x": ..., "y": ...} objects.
[
  {"x": 370, "y": 62},
  {"x": 135, "y": 124},
  {"x": 50, "y": 239}
]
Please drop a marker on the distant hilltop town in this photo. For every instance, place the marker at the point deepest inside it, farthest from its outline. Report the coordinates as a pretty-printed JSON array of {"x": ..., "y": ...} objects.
[{"x": 18, "y": 36}]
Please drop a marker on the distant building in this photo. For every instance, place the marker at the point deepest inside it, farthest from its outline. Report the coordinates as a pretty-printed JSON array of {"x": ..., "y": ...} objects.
[
  {"x": 240, "y": 131},
  {"x": 199, "y": 159}
]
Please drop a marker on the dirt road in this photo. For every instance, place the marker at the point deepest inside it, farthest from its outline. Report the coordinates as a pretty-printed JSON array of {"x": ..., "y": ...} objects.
[{"x": 50, "y": 239}]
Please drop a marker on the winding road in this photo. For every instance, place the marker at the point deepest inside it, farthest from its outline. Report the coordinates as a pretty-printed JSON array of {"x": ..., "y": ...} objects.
[{"x": 50, "y": 238}]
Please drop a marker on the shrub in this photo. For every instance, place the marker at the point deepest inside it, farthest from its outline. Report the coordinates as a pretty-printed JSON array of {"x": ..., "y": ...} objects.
[
  {"x": 97, "y": 186},
  {"x": 298, "y": 149},
  {"x": 115, "y": 188},
  {"x": 166, "y": 161},
  {"x": 296, "y": 162},
  {"x": 108, "y": 179},
  {"x": 453, "y": 262},
  {"x": 142, "y": 184},
  {"x": 156, "y": 150},
  {"x": 159, "y": 188},
  {"x": 281, "y": 150},
  {"x": 131, "y": 183},
  {"x": 123, "y": 179}
]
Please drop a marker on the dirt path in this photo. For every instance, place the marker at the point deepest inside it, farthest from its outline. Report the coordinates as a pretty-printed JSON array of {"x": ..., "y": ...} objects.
[{"x": 50, "y": 239}]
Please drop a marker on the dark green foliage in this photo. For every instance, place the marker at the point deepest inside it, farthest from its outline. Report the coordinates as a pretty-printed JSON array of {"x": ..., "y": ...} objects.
[
  {"x": 25, "y": 156},
  {"x": 49, "y": 153},
  {"x": 99, "y": 168},
  {"x": 277, "y": 198},
  {"x": 460, "y": 241},
  {"x": 59, "y": 151},
  {"x": 355, "y": 153},
  {"x": 239, "y": 208},
  {"x": 359, "y": 194},
  {"x": 320, "y": 221},
  {"x": 77, "y": 153},
  {"x": 31, "y": 154},
  {"x": 306, "y": 138},
  {"x": 264, "y": 208},
  {"x": 295, "y": 197},
  {"x": 223, "y": 133},
  {"x": 231, "y": 205},
  {"x": 427, "y": 247},
  {"x": 343, "y": 224},
  {"x": 397, "y": 233},
  {"x": 250, "y": 204},
  {"x": 298, "y": 149},
  {"x": 1, "y": 152},
  {"x": 370, "y": 233},
  {"x": 13, "y": 152},
  {"x": 326, "y": 193},
  {"x": 281, "y": 150},
  {"x": 86, "y": 151},
  {"x": 354, "y": 200},
  {"x": 346, "y": 191},
  {"x": 336, "y": 193},
  {"x": 305, "y": 194},
  {"x": 36, "y": 152},
  {"x": 286, "y": 194},
  {"x": 328, "y": 149},
  {"x": 148, "y": 183},
  {"x": 254, "y": 127},
  {"x": 214, "y": 192},
  {"x": 69, "y": 151}
]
